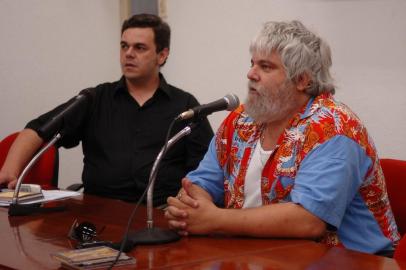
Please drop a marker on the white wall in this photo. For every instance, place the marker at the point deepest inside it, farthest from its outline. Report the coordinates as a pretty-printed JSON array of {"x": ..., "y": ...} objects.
[
  {"x": 209, "y": 54},
  {"x": 50, "y": 50}
]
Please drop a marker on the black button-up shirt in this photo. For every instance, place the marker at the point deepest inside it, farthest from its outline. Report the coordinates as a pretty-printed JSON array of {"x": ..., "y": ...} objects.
[{"x": 121, "y": 140}]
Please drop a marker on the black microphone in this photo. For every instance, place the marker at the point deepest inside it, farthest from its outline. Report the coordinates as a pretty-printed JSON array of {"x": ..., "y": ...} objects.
[
  {"x": 55, "y": 124},
  {"x": 228, "y": 102}
]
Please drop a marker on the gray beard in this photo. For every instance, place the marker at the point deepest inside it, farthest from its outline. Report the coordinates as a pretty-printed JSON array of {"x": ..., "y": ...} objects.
[{"x": 270, "y": 106}]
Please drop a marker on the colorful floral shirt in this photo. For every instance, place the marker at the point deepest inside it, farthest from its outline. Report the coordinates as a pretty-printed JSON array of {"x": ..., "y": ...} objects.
[{"x": 324, "y": 161}]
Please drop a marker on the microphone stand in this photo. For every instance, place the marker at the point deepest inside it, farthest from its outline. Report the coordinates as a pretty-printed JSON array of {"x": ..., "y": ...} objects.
[
  {"x": 16, "y": 209},
  {"x": 151, "y": 234}
]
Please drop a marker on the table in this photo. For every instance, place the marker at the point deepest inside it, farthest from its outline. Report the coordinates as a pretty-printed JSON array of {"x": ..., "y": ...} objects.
[{"x": 27, "y": 242}]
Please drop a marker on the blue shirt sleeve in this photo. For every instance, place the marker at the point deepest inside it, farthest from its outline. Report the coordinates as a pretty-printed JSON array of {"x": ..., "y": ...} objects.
[
  {"x": 329, "y": 178},
  {"x": 209, "y": 175}
]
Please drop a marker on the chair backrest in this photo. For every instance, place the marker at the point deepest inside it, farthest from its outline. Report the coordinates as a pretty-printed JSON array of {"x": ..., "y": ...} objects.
[
  {"x": 395, "y": 176},
  {"x": 400, "y": 252},
  {"x": 44, "y": 172}
]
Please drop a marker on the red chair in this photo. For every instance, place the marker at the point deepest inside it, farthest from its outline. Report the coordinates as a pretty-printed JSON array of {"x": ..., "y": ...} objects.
[
  {"x": 400, "y": 252},
  {"x": 45, "y": 170},
  {"x": 395, "y": 176}
]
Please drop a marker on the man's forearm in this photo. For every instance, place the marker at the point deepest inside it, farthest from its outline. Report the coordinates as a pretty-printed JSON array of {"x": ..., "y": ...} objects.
[
  {"x": 21, "y": 151},
  {"x": 276, "y": 220},
  {"x": 194, "y": 212}
]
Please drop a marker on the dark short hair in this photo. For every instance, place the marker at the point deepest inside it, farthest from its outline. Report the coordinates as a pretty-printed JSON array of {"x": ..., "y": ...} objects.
[{"x": 162, "y": 31}]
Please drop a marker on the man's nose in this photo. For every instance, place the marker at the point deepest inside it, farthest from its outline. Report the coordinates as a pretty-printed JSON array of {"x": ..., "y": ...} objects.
[
  {"x": 129, "y": 52},
  {"x": 252, "y": 74}
]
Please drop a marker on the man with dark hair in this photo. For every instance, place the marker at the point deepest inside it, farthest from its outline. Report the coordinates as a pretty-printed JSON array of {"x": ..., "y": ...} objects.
[
  {"x": 292, "y": 161},
  {"x": 162, "y": 32},
  {"x": 123, "y": 128}
]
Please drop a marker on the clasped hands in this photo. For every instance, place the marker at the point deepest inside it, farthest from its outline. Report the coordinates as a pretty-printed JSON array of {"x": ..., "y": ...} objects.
[{"x": 192, "y": 211}]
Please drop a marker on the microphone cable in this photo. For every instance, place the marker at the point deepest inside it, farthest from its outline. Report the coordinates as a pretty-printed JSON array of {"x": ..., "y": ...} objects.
[{"x": 124, "y": 244}]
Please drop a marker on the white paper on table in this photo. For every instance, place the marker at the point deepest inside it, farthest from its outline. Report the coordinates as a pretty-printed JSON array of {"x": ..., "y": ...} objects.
[{"x": 50, "y": 195}]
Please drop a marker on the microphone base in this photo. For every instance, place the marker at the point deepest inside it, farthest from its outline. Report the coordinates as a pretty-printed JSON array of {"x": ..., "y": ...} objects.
[
  {"x": 28, "y": 209},
  {"x": 152, "y": 236}
]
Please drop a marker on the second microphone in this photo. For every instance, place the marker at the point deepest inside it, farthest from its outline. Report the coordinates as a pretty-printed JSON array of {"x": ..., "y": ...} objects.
[{"x": 229, "y": 102}]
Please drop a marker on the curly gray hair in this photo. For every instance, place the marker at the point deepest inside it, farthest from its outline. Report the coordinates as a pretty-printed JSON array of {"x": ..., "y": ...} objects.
[{"x": 301, "y": 52}]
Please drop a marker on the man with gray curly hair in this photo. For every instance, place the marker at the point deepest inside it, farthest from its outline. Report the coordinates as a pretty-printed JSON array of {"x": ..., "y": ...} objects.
[{"x": 292, "y": 161}]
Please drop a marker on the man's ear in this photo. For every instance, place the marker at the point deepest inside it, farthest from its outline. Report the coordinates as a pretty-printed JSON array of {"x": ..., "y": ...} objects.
[
  {"x": 303, "y": 81},
  {"x": 162, "y": 56}
]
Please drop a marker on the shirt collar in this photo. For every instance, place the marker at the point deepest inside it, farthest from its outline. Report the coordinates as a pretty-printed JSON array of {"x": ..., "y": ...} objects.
[
  {"x": 307, "y": 109},
  {"x": 164, "y": 86},
  {"x": 311, "y": 107}
]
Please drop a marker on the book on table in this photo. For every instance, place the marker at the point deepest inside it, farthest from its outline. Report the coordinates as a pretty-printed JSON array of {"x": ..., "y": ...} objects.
[
  {"x": 28, "y": 192},
  {"x": 91, "y": 258}
]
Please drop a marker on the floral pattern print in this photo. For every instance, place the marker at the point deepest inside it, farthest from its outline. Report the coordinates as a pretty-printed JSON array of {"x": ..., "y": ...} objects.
[{"x": 318, "y": 122}]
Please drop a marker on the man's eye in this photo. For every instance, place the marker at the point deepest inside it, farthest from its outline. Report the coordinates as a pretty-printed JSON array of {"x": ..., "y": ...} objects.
[
  {"x": 266, "y": 67},
  {"x": 123, "y": 46},
  {"x": 140, "y": 48}
]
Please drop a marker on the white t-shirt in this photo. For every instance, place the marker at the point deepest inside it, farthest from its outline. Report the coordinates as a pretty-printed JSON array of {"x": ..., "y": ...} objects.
[{"x": 252, "y": 185}]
